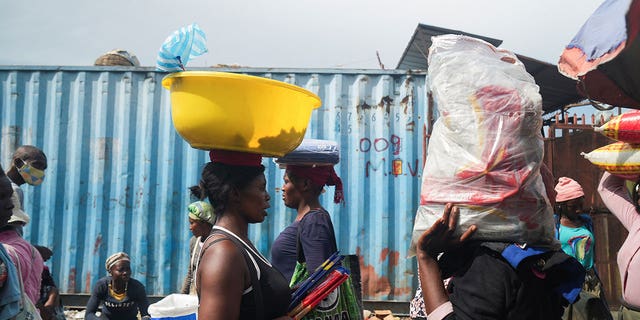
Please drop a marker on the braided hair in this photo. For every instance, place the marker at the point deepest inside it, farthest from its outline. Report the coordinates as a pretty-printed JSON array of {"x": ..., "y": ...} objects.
[{"x": 219, "y": 180}]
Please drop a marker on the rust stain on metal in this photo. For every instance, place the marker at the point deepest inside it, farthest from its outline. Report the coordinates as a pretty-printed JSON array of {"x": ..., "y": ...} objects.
[
  {"x": 394, "y": 257},
  {"x": 408, "y": 81},
  {"x": 411, "y": 125},
  {"x": 88, "y": 282},
  {"x": 372, "y": 284},
  {"x": 402, "y": 291},
  {"x": 96, "y": 245},
  {"x": 405, "y": 103},
  {"x": 72, "y": 280},
  {"x": 363, "y": 106},
  {"x": 384, "y": 253},
  {"x": 385, "y": 102}
]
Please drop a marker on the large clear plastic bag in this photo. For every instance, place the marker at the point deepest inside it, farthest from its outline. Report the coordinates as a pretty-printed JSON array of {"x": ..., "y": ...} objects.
[{"x": 486, "y": 147}]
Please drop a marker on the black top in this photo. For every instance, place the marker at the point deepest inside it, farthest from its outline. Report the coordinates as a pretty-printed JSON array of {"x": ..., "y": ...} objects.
[
  {"x": 45, "y": 285},
  {"x": 276, "y": 294},
  {"x": 485, "y": 286},
  {"x": 317, "y": 238},
  {"x": 275, "y": 291},
  {"x": 126, "y": 309}
]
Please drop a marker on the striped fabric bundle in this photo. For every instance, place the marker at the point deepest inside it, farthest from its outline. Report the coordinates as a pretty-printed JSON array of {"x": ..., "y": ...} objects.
[
  {"x": 625, "y": 127},
  {"x": 621, "y": 158},
  {"x": 180, "y": 47}
]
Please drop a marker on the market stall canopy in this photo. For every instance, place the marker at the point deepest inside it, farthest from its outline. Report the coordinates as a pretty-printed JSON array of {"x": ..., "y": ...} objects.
[
  {"x": 605, "y": 55},
  {"x": 557, "y": 91}
]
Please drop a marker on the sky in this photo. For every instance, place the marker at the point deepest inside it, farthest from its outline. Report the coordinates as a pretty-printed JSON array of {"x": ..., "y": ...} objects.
[{"x": 277, "y": 33}]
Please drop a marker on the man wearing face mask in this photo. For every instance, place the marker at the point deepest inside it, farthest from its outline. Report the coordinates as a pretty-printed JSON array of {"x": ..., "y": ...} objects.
[{"x": 27, "y": 166}]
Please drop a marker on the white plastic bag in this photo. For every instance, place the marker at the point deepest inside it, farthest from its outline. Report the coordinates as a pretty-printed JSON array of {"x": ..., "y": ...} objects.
[
  {"x": 175, "y": 306},
  {"x": 486, "y": 147}
]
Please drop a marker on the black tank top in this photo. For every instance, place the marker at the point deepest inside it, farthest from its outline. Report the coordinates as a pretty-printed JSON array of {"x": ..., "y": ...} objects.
[{"x": 275, "y": 291}]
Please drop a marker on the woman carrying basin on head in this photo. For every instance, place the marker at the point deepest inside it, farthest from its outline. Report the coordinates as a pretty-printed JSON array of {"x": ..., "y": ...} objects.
[
  {"x": 234, "y": 281},
  {"x": 311, "y": 237}
]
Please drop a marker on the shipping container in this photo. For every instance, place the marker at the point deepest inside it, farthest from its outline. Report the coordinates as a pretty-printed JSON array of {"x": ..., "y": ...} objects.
[{"x": 118, "y": 173}]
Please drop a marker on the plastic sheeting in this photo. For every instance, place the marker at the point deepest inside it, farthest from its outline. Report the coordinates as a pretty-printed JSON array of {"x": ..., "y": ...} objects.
[{"x": 486, "y": 147}]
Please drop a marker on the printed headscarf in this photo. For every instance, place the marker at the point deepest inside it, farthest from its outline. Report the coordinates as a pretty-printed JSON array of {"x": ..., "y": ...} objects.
[
  {"x": 568, "y": 189},
  {"x": 320, "y": 176},
  {"x": 201, "y": 211},
  {"x": 115, "y": 258}
]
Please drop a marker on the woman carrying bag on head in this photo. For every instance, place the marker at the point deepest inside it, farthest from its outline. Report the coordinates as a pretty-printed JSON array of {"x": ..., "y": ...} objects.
[
  {"x": 306, "y": 243},
  {"x": 312, "y": 226}
]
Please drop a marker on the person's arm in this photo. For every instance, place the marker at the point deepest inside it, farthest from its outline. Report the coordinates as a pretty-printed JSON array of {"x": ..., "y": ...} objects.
[
  {"x": 188, "y": 279},
  {"x": 433, "y": 291},
  {"x": 47, "y": 308},
  {"x": 318, "y": 239},
  {"x": 52, "y": 289},
  {"x": 614, "y": 194},
  {"x": 438, "y": 238},
  {"x": 142, "y": 299},
  {"x": 94, "y": 301},
  {"x": 186, "y": 283},
  {"x": 52, "y": 299},
  {"x": 222, "y": 276}
]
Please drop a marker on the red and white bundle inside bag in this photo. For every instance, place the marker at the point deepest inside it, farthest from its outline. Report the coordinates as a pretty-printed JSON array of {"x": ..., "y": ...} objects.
[{"x": 486, "y": 147}]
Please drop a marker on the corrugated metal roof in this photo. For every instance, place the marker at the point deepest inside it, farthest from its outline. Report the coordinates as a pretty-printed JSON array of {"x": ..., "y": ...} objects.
[
  {"x": 557, "y": 90},
  {"x": 417, "y": 50},
  {"x": 119, "y": 174}
]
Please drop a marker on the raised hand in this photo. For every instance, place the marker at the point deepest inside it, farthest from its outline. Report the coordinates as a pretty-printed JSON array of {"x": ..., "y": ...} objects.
[{"x": 439, "y": 237}]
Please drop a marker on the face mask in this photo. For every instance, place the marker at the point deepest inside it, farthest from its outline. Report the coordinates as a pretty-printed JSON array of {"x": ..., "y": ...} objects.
[{"x": 30, "y": 174}]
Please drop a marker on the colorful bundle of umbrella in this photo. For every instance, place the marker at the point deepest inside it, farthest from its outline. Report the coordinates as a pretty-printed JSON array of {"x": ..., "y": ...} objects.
[{"x": 326, "y": 278}]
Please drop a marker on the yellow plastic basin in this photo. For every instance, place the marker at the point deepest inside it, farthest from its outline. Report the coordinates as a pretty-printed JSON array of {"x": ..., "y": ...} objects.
[{"x": 219, "y": 110}]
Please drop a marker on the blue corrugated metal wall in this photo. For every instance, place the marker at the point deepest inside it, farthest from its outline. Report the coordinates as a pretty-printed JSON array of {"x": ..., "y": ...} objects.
[{"x": 119, "y": 174}]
